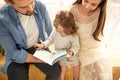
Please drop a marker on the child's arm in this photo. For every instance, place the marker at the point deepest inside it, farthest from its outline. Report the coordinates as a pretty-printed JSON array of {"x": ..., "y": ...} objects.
[
  {"x": 46, "y": 43},
  {"x": 75, "y": 45}
]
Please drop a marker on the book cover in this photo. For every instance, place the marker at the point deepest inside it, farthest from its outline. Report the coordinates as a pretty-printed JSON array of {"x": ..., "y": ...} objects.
[{"x": 49, "y": 57}]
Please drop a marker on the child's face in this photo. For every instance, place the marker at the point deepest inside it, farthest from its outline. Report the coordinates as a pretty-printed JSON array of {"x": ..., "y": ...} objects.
[
  {"x": 62, "y": 31},
  {"x": 59, "y": 28}
]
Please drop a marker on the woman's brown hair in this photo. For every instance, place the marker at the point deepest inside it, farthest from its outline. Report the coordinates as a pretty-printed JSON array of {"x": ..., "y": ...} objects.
[
  {"x": 66, "y": 20},
  {"x": 102, "y": 17}
]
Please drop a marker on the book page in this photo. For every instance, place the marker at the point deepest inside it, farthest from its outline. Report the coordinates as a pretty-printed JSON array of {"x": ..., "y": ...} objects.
[{"x": 50, "y": 58}]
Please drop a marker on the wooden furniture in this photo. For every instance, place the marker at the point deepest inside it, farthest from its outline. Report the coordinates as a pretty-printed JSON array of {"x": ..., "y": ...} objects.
[{"x": 116, "y": 73}]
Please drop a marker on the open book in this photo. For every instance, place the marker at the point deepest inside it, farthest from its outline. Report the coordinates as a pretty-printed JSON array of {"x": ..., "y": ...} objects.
[{"x": 50, "y": 58}]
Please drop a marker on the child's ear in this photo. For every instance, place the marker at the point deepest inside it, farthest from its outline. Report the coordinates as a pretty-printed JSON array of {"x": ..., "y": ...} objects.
[{"x": 8, "y": 2}]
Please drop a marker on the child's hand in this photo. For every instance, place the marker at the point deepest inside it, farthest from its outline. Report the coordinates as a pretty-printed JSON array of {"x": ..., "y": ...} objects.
[
  {"x": 39, "y": 46},
  {"x": 70, "y": 52}
]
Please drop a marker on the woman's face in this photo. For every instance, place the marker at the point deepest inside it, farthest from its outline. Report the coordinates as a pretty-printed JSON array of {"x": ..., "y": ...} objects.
[{"x": 90, "y": 5}]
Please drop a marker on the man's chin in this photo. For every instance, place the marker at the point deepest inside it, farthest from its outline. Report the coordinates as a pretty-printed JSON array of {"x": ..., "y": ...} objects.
[{"x": 29, "y": 14}]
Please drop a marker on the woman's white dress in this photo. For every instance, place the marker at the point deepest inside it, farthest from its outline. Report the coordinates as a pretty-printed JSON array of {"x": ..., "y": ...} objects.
[{"x": 94, "y": 62}]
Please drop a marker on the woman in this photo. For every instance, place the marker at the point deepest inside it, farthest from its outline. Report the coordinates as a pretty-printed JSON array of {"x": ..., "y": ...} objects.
[{"x": 90, "y": 18}]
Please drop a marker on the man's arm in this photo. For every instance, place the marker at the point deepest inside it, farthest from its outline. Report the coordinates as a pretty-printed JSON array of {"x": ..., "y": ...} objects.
[{"x": 11, "y": 50}]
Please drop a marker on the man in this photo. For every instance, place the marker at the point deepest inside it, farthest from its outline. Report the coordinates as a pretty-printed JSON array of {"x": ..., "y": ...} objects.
[{"x": 23, "y": 23}]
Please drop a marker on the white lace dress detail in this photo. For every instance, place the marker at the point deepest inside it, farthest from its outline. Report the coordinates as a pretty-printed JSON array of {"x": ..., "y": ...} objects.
[{"x": 94, "y": 62}]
